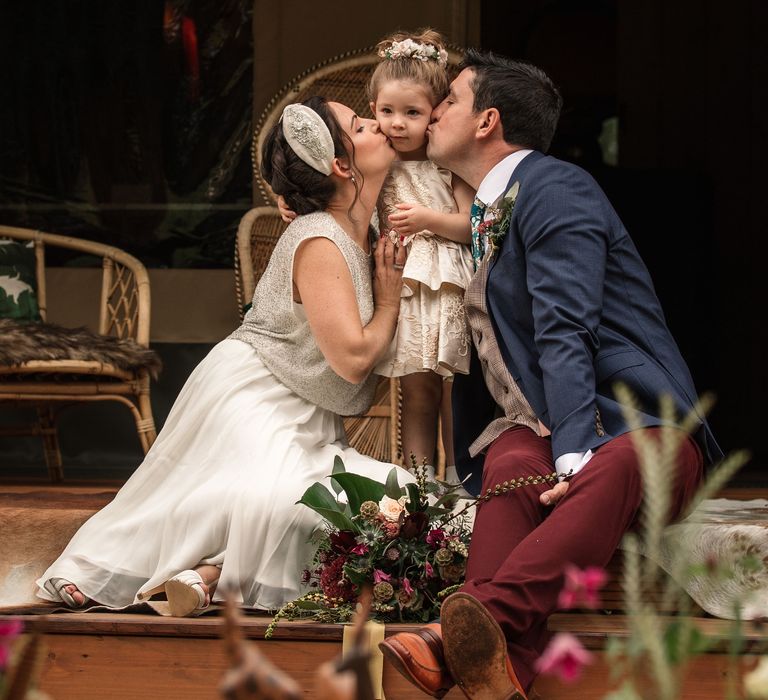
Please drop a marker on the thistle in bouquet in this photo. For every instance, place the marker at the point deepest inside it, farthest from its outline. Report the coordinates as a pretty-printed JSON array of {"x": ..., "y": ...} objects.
[{"x": 406, "y": 543}]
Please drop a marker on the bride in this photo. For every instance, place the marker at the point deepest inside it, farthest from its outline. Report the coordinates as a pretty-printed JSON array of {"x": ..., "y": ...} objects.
[{"x": 258, "y": 421}]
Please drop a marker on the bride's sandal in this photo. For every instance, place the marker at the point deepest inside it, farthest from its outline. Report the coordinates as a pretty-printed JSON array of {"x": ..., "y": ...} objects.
[
  {"x": 185, "y": 593},
  {"x": 57, "y": 588}
]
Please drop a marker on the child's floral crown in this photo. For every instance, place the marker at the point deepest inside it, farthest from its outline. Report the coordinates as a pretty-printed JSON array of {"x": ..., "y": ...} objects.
[{"x": 408, "y": 48}]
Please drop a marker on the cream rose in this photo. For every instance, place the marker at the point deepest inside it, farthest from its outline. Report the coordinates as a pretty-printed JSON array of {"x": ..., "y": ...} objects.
[{"x": 391, "y": 509}]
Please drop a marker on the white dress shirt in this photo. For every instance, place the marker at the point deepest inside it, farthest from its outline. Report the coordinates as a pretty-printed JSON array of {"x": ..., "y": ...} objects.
[{"x": 491, "y": 189}]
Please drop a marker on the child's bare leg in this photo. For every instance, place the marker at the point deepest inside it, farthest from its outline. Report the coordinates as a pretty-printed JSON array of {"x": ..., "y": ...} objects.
[
  {"x": 446, "y": 420},
  {"x": 421, "y": 406}
]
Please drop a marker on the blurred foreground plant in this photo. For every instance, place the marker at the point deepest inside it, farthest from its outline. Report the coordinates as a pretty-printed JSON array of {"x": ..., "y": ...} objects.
[{"x": 652, "y": 661}]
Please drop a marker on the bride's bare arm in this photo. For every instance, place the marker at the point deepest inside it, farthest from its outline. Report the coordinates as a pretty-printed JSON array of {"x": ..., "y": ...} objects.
[{"x": 323, "y": 284}]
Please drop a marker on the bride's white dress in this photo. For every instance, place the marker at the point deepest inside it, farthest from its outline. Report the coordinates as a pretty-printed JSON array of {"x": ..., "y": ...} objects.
[{"x": 221, "y": 482}]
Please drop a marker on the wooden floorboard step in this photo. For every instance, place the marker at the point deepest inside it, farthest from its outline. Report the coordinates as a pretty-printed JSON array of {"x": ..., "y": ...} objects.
[{"x": 98, "y": 655}]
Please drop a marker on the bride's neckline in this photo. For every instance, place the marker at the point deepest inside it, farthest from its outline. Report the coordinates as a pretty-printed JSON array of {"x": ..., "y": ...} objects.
[{"x": 365, "y": 252}]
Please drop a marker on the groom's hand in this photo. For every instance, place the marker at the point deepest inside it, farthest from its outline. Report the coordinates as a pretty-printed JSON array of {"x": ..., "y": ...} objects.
[{"x": 551, "y": 497}]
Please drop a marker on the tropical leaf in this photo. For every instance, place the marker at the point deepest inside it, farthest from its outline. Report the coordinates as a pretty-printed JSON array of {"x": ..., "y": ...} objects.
[
  {"x": 338, "y": 468},
  {"x": 359, "y": 489},
  {"x": 321, "y": 500},
  {"x": 393, "y": 488},
  {"x": 414, "y": 498}
]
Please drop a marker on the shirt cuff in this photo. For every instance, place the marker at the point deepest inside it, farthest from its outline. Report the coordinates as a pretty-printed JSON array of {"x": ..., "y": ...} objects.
[{"x": 572, "y": 462}]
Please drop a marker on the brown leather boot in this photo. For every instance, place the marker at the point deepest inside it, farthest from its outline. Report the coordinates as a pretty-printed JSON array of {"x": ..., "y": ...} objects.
[
  {"x": 476, "y": 651},
  {"x": 418, "y": 656}
]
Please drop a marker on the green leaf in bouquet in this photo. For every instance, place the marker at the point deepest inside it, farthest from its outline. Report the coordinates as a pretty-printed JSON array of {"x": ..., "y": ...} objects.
[
  {"x": 437, "y": 512},
  {"x": 357, "y": 576},
  {"x": 449, "y": 500},
  {"x": 359, "y": 489},
  {"x": 338, "y": 468},
  {"x": 338, "y": 465},
  {"x": 393, "y": 488},
  {"x": 321, "y": 500},
  {"x": 414, "y": 498}
]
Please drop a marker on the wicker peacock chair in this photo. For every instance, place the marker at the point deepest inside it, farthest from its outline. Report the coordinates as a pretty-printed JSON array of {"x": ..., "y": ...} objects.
[{"x": 343, "y": 78}]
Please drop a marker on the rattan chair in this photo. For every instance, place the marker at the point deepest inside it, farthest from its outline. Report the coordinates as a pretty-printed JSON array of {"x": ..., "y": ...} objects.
[
  {"x": 344, "y": 79},
  {"x": 48, "y": 385}
]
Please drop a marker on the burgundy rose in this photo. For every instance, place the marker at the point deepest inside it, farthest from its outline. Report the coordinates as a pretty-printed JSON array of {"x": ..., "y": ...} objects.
[
  {"x": 343, "y": 541},
  {"x": 414, "y": 525}
]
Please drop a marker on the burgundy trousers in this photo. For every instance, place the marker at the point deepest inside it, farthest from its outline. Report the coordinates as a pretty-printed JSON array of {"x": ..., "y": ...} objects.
[{"x": 520, "y": 547}]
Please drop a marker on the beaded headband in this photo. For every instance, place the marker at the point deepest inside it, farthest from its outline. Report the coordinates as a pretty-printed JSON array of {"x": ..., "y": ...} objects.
[
  {"x": 308, "y": 136},
  {"x": 408, "y": 48}
]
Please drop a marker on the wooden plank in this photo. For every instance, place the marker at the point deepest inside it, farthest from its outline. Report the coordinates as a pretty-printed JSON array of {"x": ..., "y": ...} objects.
[
  {"x": 206, "y": 626},
  {"x": 593, "y": 628},
  {"x": 93, "y": 667}
]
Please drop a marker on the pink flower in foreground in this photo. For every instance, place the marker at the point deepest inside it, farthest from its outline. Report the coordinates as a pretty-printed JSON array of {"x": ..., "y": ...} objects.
[
  {"x": 9, "y": 630},
  {"x": 360, "y": 549},
  {"x": 407, "y": 587},
  {"x": 379, "y": 576},
  {"x": 430, "y": 572},
  {"x": 581, "y": 587},
  {"x": 564, "y": 657}
]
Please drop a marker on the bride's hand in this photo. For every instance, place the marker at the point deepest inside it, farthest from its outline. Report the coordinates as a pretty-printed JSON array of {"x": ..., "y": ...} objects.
[{"x": 388, "y": 275}]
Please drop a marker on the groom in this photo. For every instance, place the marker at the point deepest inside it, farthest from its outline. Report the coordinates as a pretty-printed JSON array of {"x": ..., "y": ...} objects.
[{"x": 561, "y": 308}]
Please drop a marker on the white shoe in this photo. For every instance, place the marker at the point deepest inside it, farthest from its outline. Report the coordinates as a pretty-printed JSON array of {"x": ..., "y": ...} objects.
[
  {"x": 56, "y": 586},
  {"x": 185, "y": 593}
]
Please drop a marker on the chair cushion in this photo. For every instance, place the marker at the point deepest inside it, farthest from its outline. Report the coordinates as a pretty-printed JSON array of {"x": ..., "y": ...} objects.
[
  {"x": 18, "y": 285},
  {"x": 22, "y": 342}
]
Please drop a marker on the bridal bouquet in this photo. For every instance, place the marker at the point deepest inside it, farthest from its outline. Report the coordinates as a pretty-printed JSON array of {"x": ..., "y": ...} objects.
[{"x": 406, "y": 543}]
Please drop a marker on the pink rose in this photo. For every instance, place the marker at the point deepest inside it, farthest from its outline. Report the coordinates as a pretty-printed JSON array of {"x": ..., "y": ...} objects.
[
  {"x": 379, "y": 576},
  {"x": 406, "y": 584}
]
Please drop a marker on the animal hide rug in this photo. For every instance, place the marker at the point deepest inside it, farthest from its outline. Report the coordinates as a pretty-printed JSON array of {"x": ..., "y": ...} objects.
[{"x": 21, "y": 342}]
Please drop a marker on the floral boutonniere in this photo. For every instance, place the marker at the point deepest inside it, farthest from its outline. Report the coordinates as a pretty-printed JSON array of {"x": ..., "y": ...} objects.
[{"x": 496, "y": 225}]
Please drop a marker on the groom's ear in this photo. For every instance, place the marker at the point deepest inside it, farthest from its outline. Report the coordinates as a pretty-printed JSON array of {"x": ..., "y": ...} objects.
[{"x": 488, "y": 124}]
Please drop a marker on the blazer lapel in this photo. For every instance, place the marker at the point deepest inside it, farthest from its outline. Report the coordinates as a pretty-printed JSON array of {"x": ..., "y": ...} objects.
[{"x": 518, "y": 175}]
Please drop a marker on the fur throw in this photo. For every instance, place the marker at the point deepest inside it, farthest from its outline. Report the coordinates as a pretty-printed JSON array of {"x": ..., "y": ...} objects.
[{"x": 21, "y": 342}]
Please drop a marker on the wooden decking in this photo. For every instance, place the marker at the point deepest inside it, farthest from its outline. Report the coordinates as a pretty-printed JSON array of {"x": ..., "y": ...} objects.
[{"x": 93, "y": 656}]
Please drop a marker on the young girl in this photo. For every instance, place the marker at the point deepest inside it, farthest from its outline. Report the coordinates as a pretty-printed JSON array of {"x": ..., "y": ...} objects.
[{"x": 427, "y": 209}]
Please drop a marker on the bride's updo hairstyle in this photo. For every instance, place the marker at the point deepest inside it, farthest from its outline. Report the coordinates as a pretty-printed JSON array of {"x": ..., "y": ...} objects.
[
  {"x": 419, "y": 57},
  {"x": 305, "y": 189}
]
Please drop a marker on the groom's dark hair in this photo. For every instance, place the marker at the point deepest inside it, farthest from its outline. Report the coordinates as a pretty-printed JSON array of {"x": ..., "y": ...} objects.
[{"x": 527, "y": 99}]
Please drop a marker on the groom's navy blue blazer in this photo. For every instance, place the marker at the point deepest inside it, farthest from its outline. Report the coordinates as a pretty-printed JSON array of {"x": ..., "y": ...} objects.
[{"x": 574, "y": 311}]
